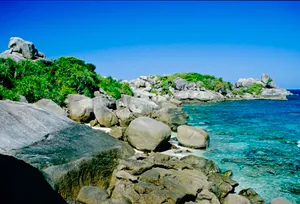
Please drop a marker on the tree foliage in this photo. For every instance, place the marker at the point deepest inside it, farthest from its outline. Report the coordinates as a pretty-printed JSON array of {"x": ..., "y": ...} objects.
[{"x": 65, "y": 75}]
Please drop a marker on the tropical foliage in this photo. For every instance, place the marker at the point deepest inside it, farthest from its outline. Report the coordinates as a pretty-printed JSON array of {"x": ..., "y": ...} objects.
[{"x": 66, "y": 75}]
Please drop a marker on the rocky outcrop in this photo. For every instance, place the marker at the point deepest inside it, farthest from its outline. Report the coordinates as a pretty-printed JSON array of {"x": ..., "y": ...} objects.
[
  {"x": 20, "y": 49},
  {"x": 80, "y": 107},
  {"x": 192, "y": 137},
  {"x": 147, "y": 134},
  {"x": 247, "y": 82},
  {"x": 274, "y": 94},
  {"x": 199, "y": 95},
  {"x": 236, "y": 199},
  {"x": 160, "y": 178},
  {"x": 69, "y": 154},
  {"x": 51, "y": 106}
]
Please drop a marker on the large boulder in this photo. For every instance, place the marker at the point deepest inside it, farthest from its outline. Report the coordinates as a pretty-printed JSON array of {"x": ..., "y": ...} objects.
[
  {"x": 69, "y": 154},
  {"x": 180, "y": 83},
  {"x": 247, "y": 82},
  {"x": 192, "y": 137},
  {"x": 147, "y": 134},
  {"x": 139, "y": 106},
  {"x": 199, "y": 95},
  {"x": 275, "y": 94},
  {"x": 80, "y": 107},
  {"x": 105, "y": 116},
  {"x": 267, "y": 81},
  {"x": 236, "y": 199},
  {"x": 22, "y": 183},
  {"x": 173, "y": 117},
  {"x": 104, "y": 100},
  {"x": 280, "y": 200},
  {"x": 26, "y": 48},
  {"x": 252, "y": 196},
  {"x": 51, "y": 106},
  {"x": 125, "y": 116}
]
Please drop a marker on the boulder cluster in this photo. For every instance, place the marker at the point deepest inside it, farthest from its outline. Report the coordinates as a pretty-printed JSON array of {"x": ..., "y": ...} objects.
[
  {"x": 159, "y": 178},
  {"x": 19, "y": 49}
]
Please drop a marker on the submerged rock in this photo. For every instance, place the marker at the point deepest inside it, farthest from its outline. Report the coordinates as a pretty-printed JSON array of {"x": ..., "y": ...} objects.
[
  {"x": 280, "y": 200},
  {"x": 69, "y": 154},
  {"x": 147, "y": 134}
]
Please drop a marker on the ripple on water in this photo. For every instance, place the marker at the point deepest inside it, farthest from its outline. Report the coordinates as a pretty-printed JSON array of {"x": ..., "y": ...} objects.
[{"x": 258, "y": 140}]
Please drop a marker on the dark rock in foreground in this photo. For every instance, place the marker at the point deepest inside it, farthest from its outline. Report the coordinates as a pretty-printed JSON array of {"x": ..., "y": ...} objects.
[
  {"x": 71, "y": 155},
  {"x": 22, "y": 183}
]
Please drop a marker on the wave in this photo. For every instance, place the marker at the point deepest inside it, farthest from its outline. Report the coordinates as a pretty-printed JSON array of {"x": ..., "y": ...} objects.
[{"x": 298, "y": 143}]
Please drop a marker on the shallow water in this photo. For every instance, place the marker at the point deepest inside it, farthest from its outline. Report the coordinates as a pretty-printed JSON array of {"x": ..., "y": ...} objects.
[{"x": 258, "y": 140}]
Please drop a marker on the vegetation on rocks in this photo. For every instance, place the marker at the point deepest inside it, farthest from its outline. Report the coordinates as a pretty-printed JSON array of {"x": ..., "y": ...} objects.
[
  {"x": 66, "y": 75},
  {"x": 209, "y": 82},
  {"x": 254, "y": 88}
]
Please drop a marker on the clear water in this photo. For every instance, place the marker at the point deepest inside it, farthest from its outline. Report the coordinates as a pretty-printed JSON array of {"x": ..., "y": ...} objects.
[{"x": 258, "y": 140}]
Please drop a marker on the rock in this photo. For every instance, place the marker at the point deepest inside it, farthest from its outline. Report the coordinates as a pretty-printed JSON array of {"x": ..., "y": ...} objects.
[
  {"x": 247, "y": 82},
  {"x": 179, "y": 83},
  {"x": 199, "y": 95},
  {"x": 173, "y": 117},
  {"x": 221, "y": 186},
  {"x": 139, "y": 106},
  {"x": 20, "y": 182},
  {"x": 51, "y": 106},
  {"x": 26, "y": 48},
  {"x": 105, "y": 116},
  {"x": 92, "y": 195},
  {"x": 125, "y": 189},
  {"x": 192, "y": 137},
  {"x": 166, "y": 104},
  {"x": 69, "y": 154},
  {"x": 247, "y": 96},
  {"x": 104, "y": 100},
  {"x": 235, "y": 199},
  {"x": 147, "y": 134},
  {"x": 117, "y": 132},
  {"x": 265, "y": 78},
  {"x": 206, "y": 195},
  {"x": 280, "y": 200},
  {"x": 228, "y": 173},
  {"x": 23, "y": 99},
  {"x": 191, "y": 86},
  {"x": 175, "y": 101},
  {"x": 199, "y": 84},
  {"x": 14, "y": 56},
  {"x": 274, "y": 94},
  {"x": 202, "y": 164},
  {"x": 80, "y": 107},
  {"x": 126, "y": 176},
  {"x": 252, "y": 196},
  {"x": 141, "y": 93},
  {"x": 125, "y": 116},
  {"x": 94, "y": 122}
]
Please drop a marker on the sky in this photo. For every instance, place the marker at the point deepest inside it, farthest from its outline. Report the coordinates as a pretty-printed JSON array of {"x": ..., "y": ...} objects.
[{"x": 127, "y": 39}]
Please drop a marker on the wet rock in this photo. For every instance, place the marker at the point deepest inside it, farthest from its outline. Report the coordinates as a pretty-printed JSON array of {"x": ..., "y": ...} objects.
[
  {"x": 228, "y": 173},
  {"x": 221, "y": 185},
  {"x": 192, "y": 137},
  {"x": 252, "y": 196},
  {"x": 92, "y": 195},
  {"x": 147, "y": 134}
]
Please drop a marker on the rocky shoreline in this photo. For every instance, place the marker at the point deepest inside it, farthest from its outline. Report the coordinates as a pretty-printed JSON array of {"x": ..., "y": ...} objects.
[{"x": 132, "y": 163}]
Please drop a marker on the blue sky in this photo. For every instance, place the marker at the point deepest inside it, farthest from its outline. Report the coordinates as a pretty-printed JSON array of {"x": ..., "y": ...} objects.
[{"x": 129, "y": 39}]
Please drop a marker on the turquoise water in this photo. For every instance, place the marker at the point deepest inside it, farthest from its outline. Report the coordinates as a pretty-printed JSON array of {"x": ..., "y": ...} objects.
[{"x": 257, "y": 140}]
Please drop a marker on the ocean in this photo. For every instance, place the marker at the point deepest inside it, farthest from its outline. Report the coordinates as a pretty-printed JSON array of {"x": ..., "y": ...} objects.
[{"x": 259, "y": 140}]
